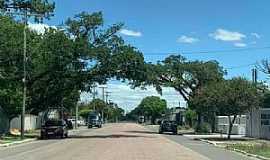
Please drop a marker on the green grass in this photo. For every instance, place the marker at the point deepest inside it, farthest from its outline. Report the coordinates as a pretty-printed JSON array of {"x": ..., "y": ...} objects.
[
  {"x": 262, "y": 149},
  {"x": 11, "y": 138}
]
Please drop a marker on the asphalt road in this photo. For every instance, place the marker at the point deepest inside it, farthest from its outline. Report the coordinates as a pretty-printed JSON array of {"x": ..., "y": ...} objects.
[
  {"x": 208, "y": 150},
  {"x": 124, "y": 141}
]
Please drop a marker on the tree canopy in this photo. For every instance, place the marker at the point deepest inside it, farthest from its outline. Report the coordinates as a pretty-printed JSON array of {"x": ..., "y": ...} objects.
[
  {"x": 61, "y": 63},
  {"x": 151, "y": 106},
  {"x": 183, "y": 75},
  {"x": 230, "y": 98}
]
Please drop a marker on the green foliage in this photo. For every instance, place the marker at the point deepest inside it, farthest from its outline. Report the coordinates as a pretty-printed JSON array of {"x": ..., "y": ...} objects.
[
  {"x": 85, "y": 112},
  {"x": 60, "y": 63},
  {"x": 183, "y": 75},
  {"x": 97, "y": 104},
  {"x": 190, "y": 117},
  {"x": 229, "y": 97},
  {"x": 43, "y": 7},
  {"x": 266, "y": 100},
  {"x": 203, "y": 128},
  {"x": 151, "y": 106}
]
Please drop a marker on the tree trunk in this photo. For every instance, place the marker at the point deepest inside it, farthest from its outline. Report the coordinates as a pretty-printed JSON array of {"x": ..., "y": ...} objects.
[
  {"x": 153, "y": 118},
  {"x": 213, "y": 123},
  {"x": 231, "y": 125},
  {"x": 199, "y": 120}
]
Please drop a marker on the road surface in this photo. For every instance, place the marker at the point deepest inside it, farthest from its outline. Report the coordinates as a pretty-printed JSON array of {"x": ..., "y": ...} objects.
[{"x": 124, "y": 141}]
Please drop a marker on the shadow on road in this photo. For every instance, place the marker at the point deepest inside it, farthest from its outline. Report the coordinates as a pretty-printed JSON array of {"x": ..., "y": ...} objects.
[
  {"x": 108, "y": 136},
  {"x": 143, "y": 132}
]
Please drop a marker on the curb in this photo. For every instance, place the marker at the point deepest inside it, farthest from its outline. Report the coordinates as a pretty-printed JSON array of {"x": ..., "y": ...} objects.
[
  {"x": 18, "y": 142},
  {"x": 235, "y": 150}
]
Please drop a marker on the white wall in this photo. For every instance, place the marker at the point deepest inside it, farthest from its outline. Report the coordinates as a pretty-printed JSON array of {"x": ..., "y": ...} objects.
[
  {"x": 31, "y": 122},
  {"x": 239, "y": 126},
  {"x": 257, "y": 125}
]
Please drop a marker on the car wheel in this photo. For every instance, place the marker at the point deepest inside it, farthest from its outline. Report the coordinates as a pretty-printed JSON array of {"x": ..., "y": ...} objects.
[{"x": 66, "y": 135}]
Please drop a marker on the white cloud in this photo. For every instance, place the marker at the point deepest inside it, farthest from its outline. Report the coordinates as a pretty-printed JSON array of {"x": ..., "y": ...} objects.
[
  {"x": 226, "y": 35},
  {"x": 186, "y": 39},
  {"x": 256, "y": 35},
  {"x": 130, "y": 33},
  {"x": 40, "y": 28},
  {"x": 128, "y": 98},
  {"x": 240, "y": 44}
]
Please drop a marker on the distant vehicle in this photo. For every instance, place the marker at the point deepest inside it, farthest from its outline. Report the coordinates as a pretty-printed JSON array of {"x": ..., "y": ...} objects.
[
  {"x": 72, "y": 121},
  {"x": 55, "y": 128},
  {"x": 81, "y": 123},
  {"x": 168, "y": 126},
  {"x": 94, "y": 120},
  {"x": 141, "y": 119}
]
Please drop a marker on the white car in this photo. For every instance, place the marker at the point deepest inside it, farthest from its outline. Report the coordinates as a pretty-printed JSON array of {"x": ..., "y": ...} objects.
[{"x": 81, "y": 123}]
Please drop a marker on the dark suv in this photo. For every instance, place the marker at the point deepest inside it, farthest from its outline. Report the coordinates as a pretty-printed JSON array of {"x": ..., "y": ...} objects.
[
  {"x": 168, "y": 126},
  {"x": 94, "y": 120},
  {"x": 54, "y": 128}
]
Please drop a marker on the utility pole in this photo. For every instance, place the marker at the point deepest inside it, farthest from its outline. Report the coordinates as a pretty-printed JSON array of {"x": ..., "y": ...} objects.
[
  {"x": 94, "y": 95},
  {"x": 107, "y": 95},
  {"x": 254, "y": 80},
  {"x": 103, "y": 92},
  {"x": 103, "y": 98},
  {"x": 254, "y": 75},
  {"x": 76, "y": 115},
  {"x": 24, "y": 13}
]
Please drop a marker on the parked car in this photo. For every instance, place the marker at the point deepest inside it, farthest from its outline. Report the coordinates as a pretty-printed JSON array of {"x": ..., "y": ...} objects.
[
  {"x": 94, "y": 120},
  {"x": 168, "y": 126},
  {"x": 54, "y": 128},
  {"x": 141, "y": 119}
]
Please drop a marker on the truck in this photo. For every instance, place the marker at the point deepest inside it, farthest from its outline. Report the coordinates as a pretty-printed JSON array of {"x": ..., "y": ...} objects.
[{"x": 94, "y": 120}]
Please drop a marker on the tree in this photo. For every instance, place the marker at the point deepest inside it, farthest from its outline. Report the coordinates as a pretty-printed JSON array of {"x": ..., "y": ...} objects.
[
  {"x": 97, "y": 105},
  {"x": 61, "y": 62},
  {"x": 182, "y": 75},
  {"x": 230, "y": 98},
  {"x": 190, "y": 117},
  {"x": 84, "y": 113},
  {"x": 43, "y": 7},
  {"x": 153, "y": 107},
  {"x": 266, "y": 99}
]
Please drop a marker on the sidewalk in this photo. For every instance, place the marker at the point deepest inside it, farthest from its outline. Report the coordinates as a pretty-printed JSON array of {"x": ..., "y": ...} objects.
[{"x": 33, "y": 136}]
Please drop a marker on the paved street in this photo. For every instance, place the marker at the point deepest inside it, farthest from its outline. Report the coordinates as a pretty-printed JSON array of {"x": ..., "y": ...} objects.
[
  {"x": 118, "y": 141},
  {"x": 208, "y": 150},
  {"x": 113, "y": 142}
]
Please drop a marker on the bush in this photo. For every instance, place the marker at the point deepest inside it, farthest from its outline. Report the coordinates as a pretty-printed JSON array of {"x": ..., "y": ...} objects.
[{"x": 203, "y": 128}]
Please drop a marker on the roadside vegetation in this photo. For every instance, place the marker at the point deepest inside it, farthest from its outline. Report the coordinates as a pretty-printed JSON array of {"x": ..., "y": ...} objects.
[
  {"x": 65, "y": 61},
  {"x": 261, "y": 149}
]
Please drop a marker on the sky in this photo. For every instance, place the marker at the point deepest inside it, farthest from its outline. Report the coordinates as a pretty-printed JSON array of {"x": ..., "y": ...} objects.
[{"x": 188, "y": 27}]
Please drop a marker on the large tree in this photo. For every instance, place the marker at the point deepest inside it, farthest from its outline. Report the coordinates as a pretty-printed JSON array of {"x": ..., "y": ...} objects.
[
  {"x": 63, "y": 62},
  {"x": 153, "y": 107},
  {"x": 229, "y": 98},
  {"x": 183, "y": 75}
]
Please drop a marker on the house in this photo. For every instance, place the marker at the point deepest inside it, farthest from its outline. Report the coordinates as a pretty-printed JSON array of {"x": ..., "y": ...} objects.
[
  {"x": 258, "y": 123},
  {"x": 4, "y": 122},
  {"x": 177, "y": 114}
]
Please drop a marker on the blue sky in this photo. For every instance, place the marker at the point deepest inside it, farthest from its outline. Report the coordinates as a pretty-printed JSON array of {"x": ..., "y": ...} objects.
[{"x": 158, "y": 27}]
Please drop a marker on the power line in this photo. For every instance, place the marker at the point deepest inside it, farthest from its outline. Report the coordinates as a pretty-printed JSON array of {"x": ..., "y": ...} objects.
[
  {"x": 209, "y": 51},
  {"x": 241, "y": 66}
]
